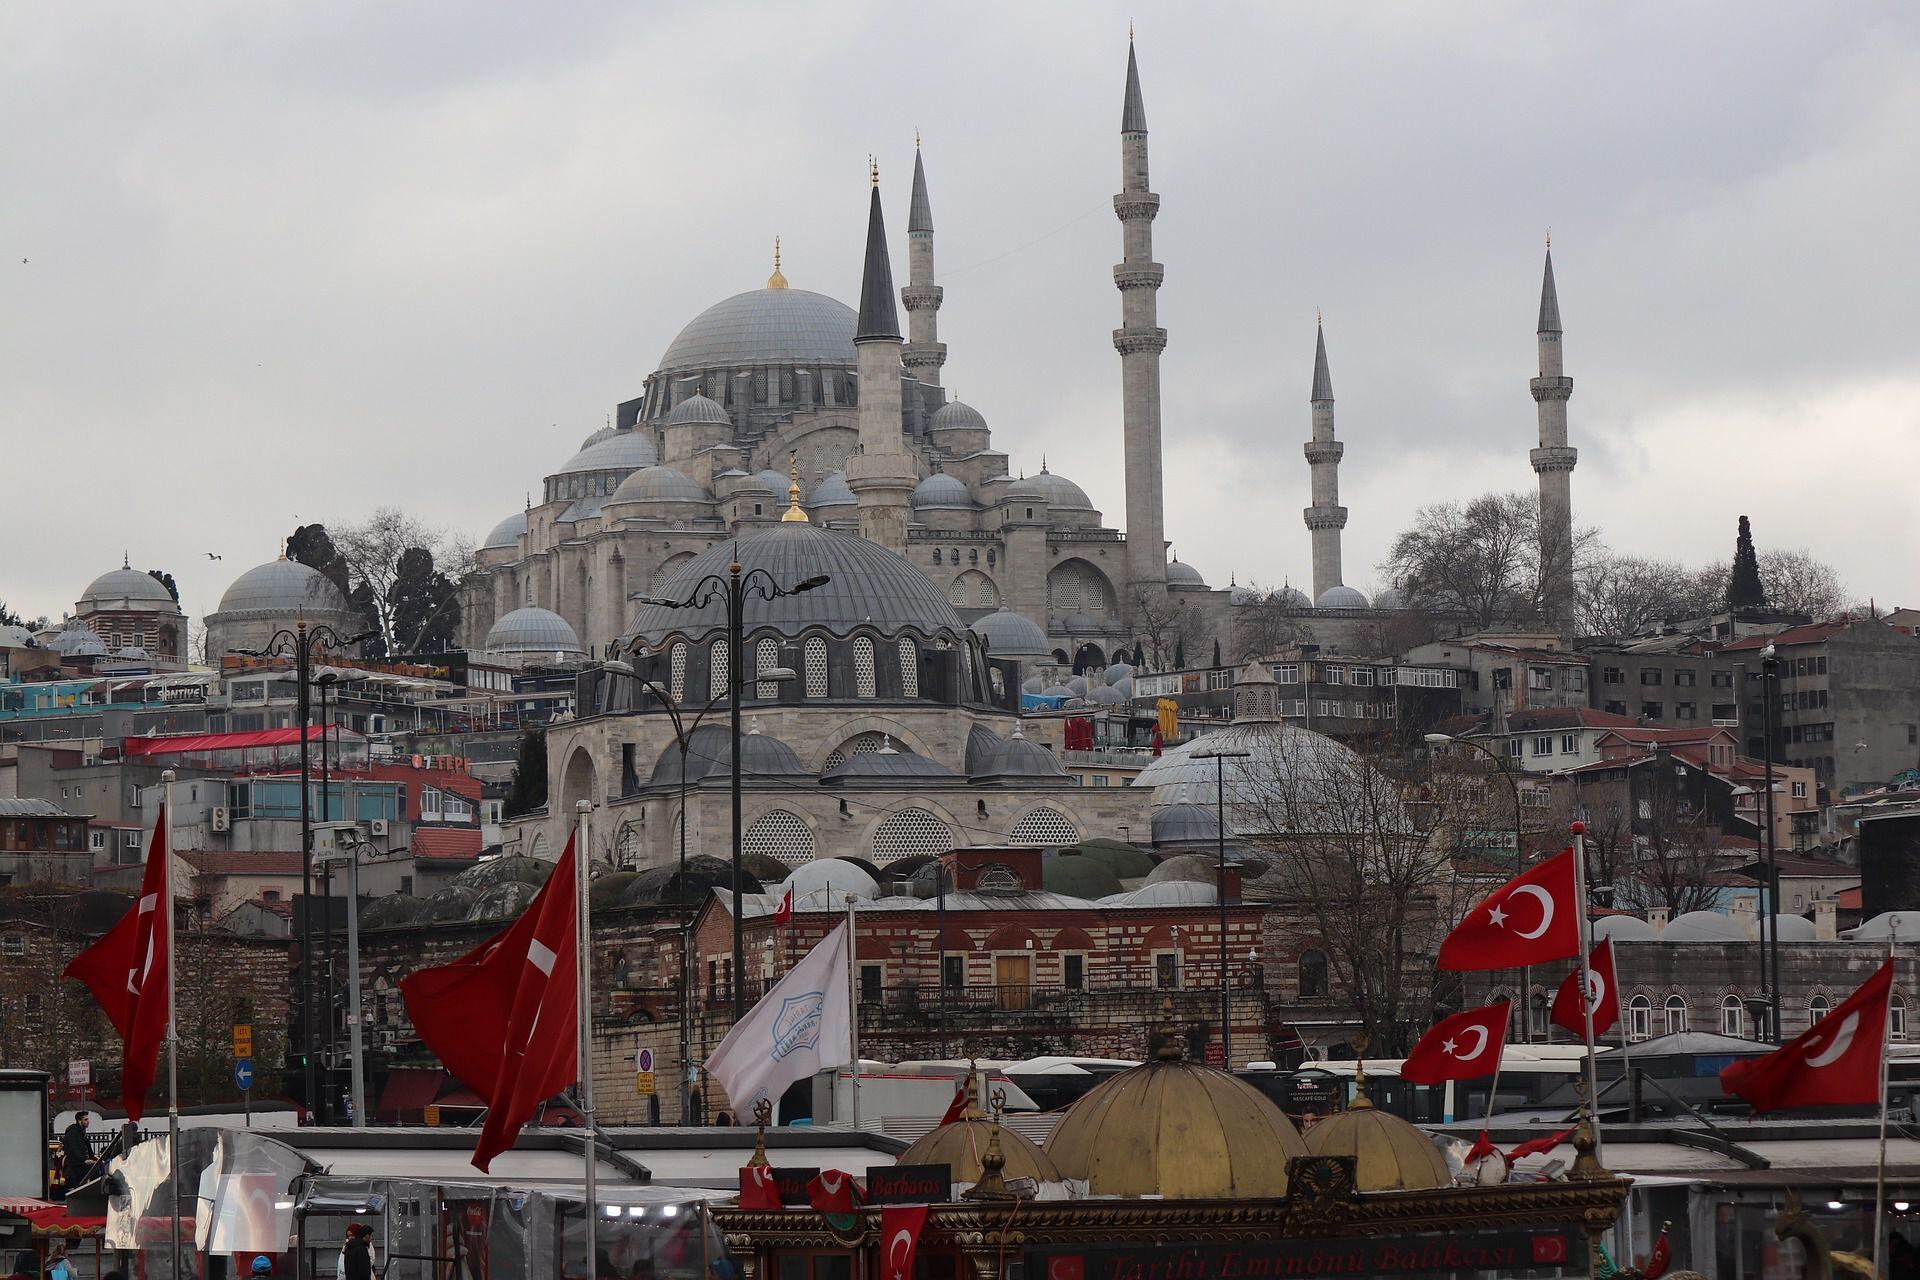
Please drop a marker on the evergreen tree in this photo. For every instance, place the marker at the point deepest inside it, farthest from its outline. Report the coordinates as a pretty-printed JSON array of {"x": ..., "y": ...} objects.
[
  {"x": 424, "y": 605},
  {"x": 528, "y": 789},
  {"x": 1179, "y": 655},
  {"x": 1744, "y": 588},
  {"x": 1216, "y": 651},
  {"x": 311, "y": 545},
  {"x": 165, "y": 579}
]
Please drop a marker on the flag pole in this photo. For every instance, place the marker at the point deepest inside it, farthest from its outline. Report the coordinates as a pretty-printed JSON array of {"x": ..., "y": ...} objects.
[
  {"x": 173, "y": 1030},
  {"x": 853, "y": 1005},
  {"x": 1586, "y": 974},
  {"x": 1880, "y": 1176},
  {"x": 1626, "y": 1076},
  {"x": 583, "y": 863}
]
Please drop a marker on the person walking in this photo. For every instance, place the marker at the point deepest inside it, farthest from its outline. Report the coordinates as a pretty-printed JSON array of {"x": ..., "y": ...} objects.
[
  {"x": 58, "y": 1268},
  {"x": 358, "y": 1254},
  {"x": 76, "y": 1150}
]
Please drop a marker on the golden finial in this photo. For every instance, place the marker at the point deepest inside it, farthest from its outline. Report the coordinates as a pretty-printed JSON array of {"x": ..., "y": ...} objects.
[
  {"x": 1361, "y": 1102},
  {"x": 1549, "y": 239},
  {"x": 873, "y": 170},
  {"x": 776, "y": 280},
  {"x": 992, "y": 1184},
  {"x": 762, "y": 1117},
  {"x": 793, "y": 513},
  {"x": 1586, "y": 1164}
]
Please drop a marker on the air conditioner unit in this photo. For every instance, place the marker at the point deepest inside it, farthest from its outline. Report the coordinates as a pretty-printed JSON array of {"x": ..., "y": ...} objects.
[
  {"x": 222, "y": 819},
  {"x": 377, "y": 826}
]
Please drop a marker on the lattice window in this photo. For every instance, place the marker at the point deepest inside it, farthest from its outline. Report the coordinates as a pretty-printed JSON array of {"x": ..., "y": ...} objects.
[
  {"x": 909, "y": 668},
  {"x": 1066, "y": 592},
  {"x": 985, "y": 594},
  {"x": 863, "y": 667},
  {"x": 1096, "y": 599},
  {"x": 816, "y": 668},
  {"x": 765, "y": 658},
  {"x": 779, "y": 834},
  {"x": 677, "y": 670},
  {"x": 1043, "y": 826},
  {"x": 861, "y": 744},
  {"x": 910, "y": 832},
  {"x": 956, "y": 590},
  {"x": 717, "y": 668}
]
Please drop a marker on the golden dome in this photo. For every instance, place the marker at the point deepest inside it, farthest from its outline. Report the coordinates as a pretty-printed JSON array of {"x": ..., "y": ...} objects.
[
  {"x": 961, "y": 1143},
  {"x": 1179, "y": 1130},
  {"x": 1389, "y": 1154}
]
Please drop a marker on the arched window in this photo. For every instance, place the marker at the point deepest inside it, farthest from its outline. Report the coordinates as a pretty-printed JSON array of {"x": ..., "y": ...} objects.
[
  {"x": 1899, "y": 1017},
  {"x": 766, "y": 656},
  {"x": 1818, "y": 1008},
  {"x": 717, "y": 669},
  {"x": 1730, "y": 1016},
  {"x": 859, "y": 744},
  {"x": 863, "y": 667},
  {"x": 1676, "y": 1015},
  {"x": 1313, "y": 975},
  {"x": 1640, "y": 1018},
  {"x": 816, "y": 651},
  {"x": 1043, "y": 826},
  {"x": 909, "y": 668},
  {"x": 908, "y": 832},
  {"x": 677, "y": 670},
  {"x": 779, "y": 834},
  {"x": 1542, "y": 1016}
]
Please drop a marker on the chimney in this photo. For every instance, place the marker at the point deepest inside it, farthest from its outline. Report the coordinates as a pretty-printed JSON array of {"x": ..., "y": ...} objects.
[
  {"x": 1658, "y": 917},
  {"x": 1826, "y": 926}
]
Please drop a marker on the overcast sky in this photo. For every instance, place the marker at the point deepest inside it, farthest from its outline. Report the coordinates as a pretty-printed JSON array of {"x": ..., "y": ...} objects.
[{"x": 271, "y": 263}]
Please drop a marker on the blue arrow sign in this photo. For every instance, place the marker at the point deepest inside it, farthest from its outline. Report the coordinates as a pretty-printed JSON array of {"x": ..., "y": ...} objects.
[{"x": 243, "y": 1073}]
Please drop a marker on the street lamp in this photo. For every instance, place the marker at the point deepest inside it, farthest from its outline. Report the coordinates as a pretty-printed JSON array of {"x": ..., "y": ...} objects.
[
  {"x": 735, "y": 587},
  {"x": 328, "y": 680},
  {"x": 299, "y": 645},
  {"x": 1220, "y": 759},
  {"x": 1769, "y": 680},
  {"x": 1519, "y": 856}
]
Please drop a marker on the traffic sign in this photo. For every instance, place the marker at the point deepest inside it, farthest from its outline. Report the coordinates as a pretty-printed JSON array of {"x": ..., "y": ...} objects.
[
  {"x": 80, "y": 1071},
  {"x": 643, "y": 1081},
  {"x": 643, "y": 1060},
  {"x": 243, "y": 1073},
  {"x": 243, "y": 1040},
  {"x": 432, "y": 1114}
]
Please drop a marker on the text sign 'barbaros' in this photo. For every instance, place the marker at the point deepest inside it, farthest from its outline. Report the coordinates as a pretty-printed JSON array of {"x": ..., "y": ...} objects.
[{"x": 910, "y": 1184}]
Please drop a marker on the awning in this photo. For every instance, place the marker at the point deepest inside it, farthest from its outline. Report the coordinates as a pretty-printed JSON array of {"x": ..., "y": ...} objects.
[
  {"x": 196, "y": 742},
  {"x": 461, "y": 1098},
  {"x": 410, "y": 1089},
  {"x": 54, "y": 1221}
]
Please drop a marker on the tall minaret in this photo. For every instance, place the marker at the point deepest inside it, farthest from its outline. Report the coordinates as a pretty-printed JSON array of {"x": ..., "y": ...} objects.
[
  {"x": 924, "y": 352},
  {"x": 1553, "y": 462},
  {"x": 880, "y": 473},
  {"x": 1140, "y": 341},
  {"x": 1326, "y": 517}
]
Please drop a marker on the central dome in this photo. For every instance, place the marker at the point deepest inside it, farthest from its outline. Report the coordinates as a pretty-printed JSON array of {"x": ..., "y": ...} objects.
[{"x": 765, "y": 326}]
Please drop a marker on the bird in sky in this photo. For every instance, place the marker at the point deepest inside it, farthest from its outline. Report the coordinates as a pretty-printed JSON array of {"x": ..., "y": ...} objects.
[{"x": 212, "y": 556}]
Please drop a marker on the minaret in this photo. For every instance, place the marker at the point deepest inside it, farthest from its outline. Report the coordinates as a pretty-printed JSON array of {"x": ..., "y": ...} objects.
[
  {"x": 1553, "y": 461},
  {"x": 1140, "y": 341},
  {"x": 1326, "y": 517},
  {"x": 924, "y": 352},
  {"x": 880, "y": 473}
]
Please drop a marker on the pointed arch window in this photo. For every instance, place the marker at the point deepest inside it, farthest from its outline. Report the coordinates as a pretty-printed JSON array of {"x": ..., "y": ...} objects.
[
  {"x": 816, "y": 651},
  {"x": 863, "y": 667},
  {"x": 909, "y": 667},
  {"x": 717, "y": 655}
]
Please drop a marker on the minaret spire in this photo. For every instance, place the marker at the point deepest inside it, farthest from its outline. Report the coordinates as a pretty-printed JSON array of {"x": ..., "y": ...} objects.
[
  {"x": 924, "y": 352},
  {"x": 880, "y": 473},
  {"x": 1326, "y": 517},
  {"x": 1139, "y": 340},
  {"x": 1554, "y": 460}
]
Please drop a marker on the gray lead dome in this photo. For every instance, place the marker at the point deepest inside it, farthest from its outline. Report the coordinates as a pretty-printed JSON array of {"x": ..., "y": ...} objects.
[
  {"x": 285, "y": 588},
  {"x": 765, "y": 326},
  {"x": 532, "y": 630}
]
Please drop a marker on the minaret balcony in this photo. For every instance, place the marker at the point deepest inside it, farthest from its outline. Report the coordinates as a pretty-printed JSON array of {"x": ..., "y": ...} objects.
[
  {"x": 1553, "y": 458},
  {"x": 918, "y": 355},
  {"x": 1138, "y": 275},
  {"x": 922, "y": 297},
  {"x": 1551, "y": 388},
  {"x": 1319, "y": 451},
  {"x": 1131, "y": 206},
  {"x": 1129, "y": 342},
  {"x": 1325, "y": 517}
]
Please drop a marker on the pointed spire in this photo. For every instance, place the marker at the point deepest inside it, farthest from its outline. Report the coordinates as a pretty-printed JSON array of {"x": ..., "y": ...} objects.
[
  {"x": 1133, "y": 116},
  {"x": 878, "y": 319},
  {"x": 1549, "y": 297},
  {"x": 776, "y": 280},
  {"x": 920, "y": 213},
  {"x": 1322, "y": 380}
]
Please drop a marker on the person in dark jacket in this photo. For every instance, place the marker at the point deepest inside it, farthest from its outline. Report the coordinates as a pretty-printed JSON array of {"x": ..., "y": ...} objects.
[
  {"x": 359, "y": 1252},
  {"x": 76, "y": 1152}
]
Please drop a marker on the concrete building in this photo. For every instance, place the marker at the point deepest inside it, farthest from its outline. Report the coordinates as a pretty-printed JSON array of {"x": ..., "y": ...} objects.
[{"x": 1503, "y": 674}]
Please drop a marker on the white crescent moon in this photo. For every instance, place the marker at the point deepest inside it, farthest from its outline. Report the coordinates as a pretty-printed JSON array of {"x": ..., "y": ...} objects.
[
  {"x": 900, "y": 1237},
  {"x": 1053, "y": 1269},
  {"x": 1546, "y": 909},
  {"x": 1479, "y": 1046},
  {"x": 832, "y": 1183},
  {"x": 1596, "y": 988},
  {"x": 1841, "y": 1042}
]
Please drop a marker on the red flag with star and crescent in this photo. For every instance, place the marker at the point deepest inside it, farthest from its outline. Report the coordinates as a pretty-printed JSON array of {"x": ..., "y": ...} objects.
[
  {"x": 758, "y": 1187},
  {"x": 784, "y": 912},
  {"x": 1600, "y": 995},
  {"x": 833, "y": 1191},
  {"x": 127, "y": 972},
  {"x": 504, "y": 1019},
  {"x": 899, "y": 1239},
  {"x": 1531, "y": 919},
  {"x": 1835, "y": 1062},
  {"x": 1462, "y": 1047}
]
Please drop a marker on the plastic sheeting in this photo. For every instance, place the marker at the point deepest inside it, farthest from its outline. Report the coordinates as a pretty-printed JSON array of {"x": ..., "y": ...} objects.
[{"x": 236, "y": 1195}]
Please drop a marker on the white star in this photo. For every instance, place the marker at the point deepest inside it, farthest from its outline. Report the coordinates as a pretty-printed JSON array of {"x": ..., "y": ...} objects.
[
  {"x": 1497, "y": 916},
  {"x": 1447, "y": 1047}
]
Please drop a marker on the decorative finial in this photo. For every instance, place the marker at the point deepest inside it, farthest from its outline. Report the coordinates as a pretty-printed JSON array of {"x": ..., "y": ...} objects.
[
  {"x": 1319, "y": 319},
  {"x": 793, "y": 513},
  {"x": 1549, "y": 238},
  {"x": 992, "y": 1185},
  {"x": 1169, "y": 1050},
  {"x": 1043, "y": 464},
  {"x": 126, "y": 560},
  {"x": 776, "y": 280},
  {"x": 1361, "y": 1102},
  {"x": 762, "y": 1117},
  {"x": 1586, "y": 1166},
  {"x": 873, "y": 170},
  {"x": 1129, "y": 30},
  {"x": 916, "y": 139}
]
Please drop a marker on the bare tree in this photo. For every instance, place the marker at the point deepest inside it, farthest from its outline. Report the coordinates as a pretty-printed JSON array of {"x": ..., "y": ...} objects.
[
  {"x": 1631, "y": 595},
  {"x": 1266, "y": 621},
  {"x": 1165, "y": 625},
  {"x": 1482, "y": 560},
  {"x": 373, "y": 550},
  {"x": 1799, "y": 583}
]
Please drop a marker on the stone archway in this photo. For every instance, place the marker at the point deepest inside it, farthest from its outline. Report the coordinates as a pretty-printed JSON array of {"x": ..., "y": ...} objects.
[
  {"x": 1089, "y": 656},
  {"x": 580, "y": 780}
]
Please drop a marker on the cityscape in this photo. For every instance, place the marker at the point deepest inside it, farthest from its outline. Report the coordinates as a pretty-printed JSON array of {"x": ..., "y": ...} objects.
[{"x": 778, "y": 824}]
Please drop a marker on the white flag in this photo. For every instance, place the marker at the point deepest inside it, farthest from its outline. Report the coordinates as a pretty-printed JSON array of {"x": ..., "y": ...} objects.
[{"x": 802, "y": 1026}]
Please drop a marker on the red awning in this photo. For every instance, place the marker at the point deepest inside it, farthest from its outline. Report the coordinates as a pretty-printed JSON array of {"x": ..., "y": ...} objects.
[
  {"x": 410, "y": 1089},
  {"x": 460, "y": 1098},
  {"x": 183, "y": 744},
  {"x": 446, "y": 842},
  {"x": 53, "y": 1221}
]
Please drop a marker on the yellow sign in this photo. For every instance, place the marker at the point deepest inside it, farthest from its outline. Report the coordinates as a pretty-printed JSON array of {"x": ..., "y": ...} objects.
[
  {"x": 643, "y": 1081},
  {"x": 242, "y": 1040},
  {"x": 432, "y": 1115}
]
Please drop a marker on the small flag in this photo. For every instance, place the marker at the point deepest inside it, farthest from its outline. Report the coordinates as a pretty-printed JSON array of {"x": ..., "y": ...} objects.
[
  {"x": 1462, "y": 1047},
  {"x": 1533, "y": 918}
]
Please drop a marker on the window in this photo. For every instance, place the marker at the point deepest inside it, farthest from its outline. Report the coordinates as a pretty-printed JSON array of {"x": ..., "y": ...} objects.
[
  {"x": 1721, "y": 680},
  {"x": 96, "y": 840},
  {"x": 1612, "y": 675},
  {"x": 1044, "y": 825},
  {"x": 269, "y": 895},
  {"x": 1651, "y": 676},
  {"x": 953, "y": 971},
  {"x": 909, "y": 668},
  {"x": 430, "y": 804},
  {"x": 1616, "y": 708},
  {"x": 1676, "y": 1015},
  {"x": 1313, "y": 974},
  {"x": 1817, "y": 1009},
  {"x": 816, "y": 652},
  {"x": 1515, "y": 747},
  {"x": 1686, "y": 711},
  {"x": 1166, "y": 970},
  {"x": 1730, "y": 1016},
  {"x": 1334, "y": 675},
  {"x": 13, "y": 944},
  {"x": 1640, "y": 1018},
  {"x": 1535, "y": 798},
  {"x": 1799, "y": 791},
  {"x": 1363, "y": 675},
  {"x": 1899, "y": 1011},
  {"x": 677, "y": 671},
  {"x": 1073, "y": 972},
  {"x": 1287, "y": 673},
  {"x": 1540, "y": 678},
  {"x": 1726, "y": 711},
  {"x": 863, "y": 667},
  {"x": 872, "y": 978},
  {"x": 1570, "y": 744},
  {"x": 1503, "y": 677},
  {"x": 766, "y": 656},
  {"x": 1543, "y": 745},
  {"x": 717, "y": 659},
  {"x": 1685, "y": 679},
  {"x": 1651, "y": 710}
]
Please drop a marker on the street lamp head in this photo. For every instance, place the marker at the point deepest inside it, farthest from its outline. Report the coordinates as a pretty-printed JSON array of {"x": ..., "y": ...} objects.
[
  {"x": 615, "y": 666},
  {"x": 808, "y": 584},
  {"x": 776, "y": 675},
  {"x": 361, "y": 638},
  {"x": 1438, "y": 739}
]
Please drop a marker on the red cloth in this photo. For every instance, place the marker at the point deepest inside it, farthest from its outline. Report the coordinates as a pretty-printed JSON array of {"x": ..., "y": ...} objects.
[
  {"x": 1835, "y": 1062},
  {"x": 784, "y": 912},
  {"x": 183, "y": 743},
  {"x": 899, "y": 1239},
  {"x": 505, "y": 1017},
  {"x": 127, "y": 972},
  {"x": 1601, "y": 994},
  {"x": 758, "y": 1190},
  {"x": 1659, "y": 1260},
  {"x": 958, "y": 1107},
  {"x": 1482, "y": 1148},
  {"x": 831, "y": 1191},
  {"x": 1461, "y": 1047},
  {"x": 1538, "y": 1146},
  {"x": 1531, "y": 919}
]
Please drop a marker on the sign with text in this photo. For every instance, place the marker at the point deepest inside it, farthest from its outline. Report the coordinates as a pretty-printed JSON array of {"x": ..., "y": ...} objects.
[
  {"x": 1544, "y": 1253},
  {"x": 80, "y": 1072},
  {"x": 910, "y": 1184},
  {"x": 793, "y": 1184},
  {"x": 643, "y": 1082},
  {"x": 243, "y": 1040}
]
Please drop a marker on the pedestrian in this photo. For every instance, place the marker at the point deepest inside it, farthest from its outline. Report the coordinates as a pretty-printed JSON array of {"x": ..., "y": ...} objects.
[
  {"x": 76, "y": 1150},
  {"x": 58, "y": 1268},
  {"x": 262, "y": 1266},
  {"x": 359, "y": 1252}
]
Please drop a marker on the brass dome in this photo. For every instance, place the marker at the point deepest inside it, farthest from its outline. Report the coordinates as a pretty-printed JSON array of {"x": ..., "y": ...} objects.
[
  {"x": 1179, "y": 1130},
  {"x": 1389, "y": 1154},
  {"x": 961, "y": 1143}
]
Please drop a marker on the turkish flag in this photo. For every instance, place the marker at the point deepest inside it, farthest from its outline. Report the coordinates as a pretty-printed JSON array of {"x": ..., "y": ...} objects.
[
  {"x": 1602, "y": 995},
  {"x": 758, "y": 1188},
  {"x": 1481, "y": 1149},
  {"x": 1531, "y": 919},
  {"x": 831, "y": 1191},
  {"x": 958, "y": 1107},
  {"x": 899, "y": 1237},
  {"x": 1835, "y": 1062},
  {"x": 784, "y": 912},
  {"x": 1461, "y": 1047},
  {"x": 505, "y": 1017},
  {"x": 127, "y": 972},
  {"x": 1538, "y": 1146},
  {"x": 1661, "y": 1258}
]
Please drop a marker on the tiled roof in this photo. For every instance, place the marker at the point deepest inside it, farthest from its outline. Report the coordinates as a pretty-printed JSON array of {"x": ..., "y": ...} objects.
[
  {"x": 1811, "y": 633},
  {"x": 446, "y": 842},
  {"x": 1567, "y": 718},
  {"x": 244, "y": 863}
]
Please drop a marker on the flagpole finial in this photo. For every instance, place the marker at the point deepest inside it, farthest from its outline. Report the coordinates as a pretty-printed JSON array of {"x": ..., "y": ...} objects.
[
  {"x": 1586, "y": 1165},
  {"x": 992, "y": 1184},
  {"x": 1361, "y": 1102},
  {"x": 762, "y": 1117}
]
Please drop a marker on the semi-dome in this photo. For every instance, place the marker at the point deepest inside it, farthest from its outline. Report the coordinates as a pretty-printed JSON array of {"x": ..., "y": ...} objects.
[
  {"x": 283, "y": 588},
  {"x": 507, "y": 533},
  {"x": 710, "y": 754},
  {"x": 832, "y": 491},
  {"x": 959, "y": 1145},
  {"x": 1276, "y": 752},
  {"x": 621, "y": 451},
  {"x": 1182, "y": 576},
  {"x": 1185, "y": 824},
  {"x": 956, "y": 415},
  {"x": 1012, "y": 635},
  {"x": 697, "y": 408},
  {"x": 868, "y": 587},
  {"x": 660, "y": 484},
  {"x": 1704, "y": 926},
  {"x": 1389, "y": 1154},
  {"x": 888, "y": 764},
  {"x": 1341, "y": 597},
  {"x": 1179, "y": 1130},
  {"x": 983, "y": 748},
  {"x": 1623, "y": 929},
  {"x": 941, "y": 491},
  {"x": 1018, "y": 758},
  {"x": 125, "y": 588},
  {"x": 531, "y": 629},
  {"x": 765, "y": 326}
]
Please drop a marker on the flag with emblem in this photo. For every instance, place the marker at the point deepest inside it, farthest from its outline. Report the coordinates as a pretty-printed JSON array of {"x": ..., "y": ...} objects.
[
  {"x": 800, "y": 1028},
  {"x": 1835, "y": 1062},
  {"x": 899, "y": 1239},
  {"x": 957, "y": 1107},
  {"x": 759, "y": 1189},
  {"x": 832, "y": 1191},
  {"x": 1462, "y": 1047},
  {"x": 1533, "y": 918},
  {"x": 504, "y": 1019},
  {"x": 127, "y": 972},
  {"x": 1539, "y": 1146},
  {"x": 1601, "y": 996},
  {"x": 784, "y": 912}
]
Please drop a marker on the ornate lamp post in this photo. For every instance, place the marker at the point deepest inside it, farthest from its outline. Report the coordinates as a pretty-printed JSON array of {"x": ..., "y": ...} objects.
[{"x": 1220, "y": 759}]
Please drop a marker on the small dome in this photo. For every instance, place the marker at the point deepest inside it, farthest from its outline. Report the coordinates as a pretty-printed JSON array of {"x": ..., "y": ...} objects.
[
  {"x": 1184, "y": 824},
  {"x": 697, "y": 408},
  {"x": 887, "y": 764},
  {"x": 761, "y": 756},
  {"x": 1389, "y": 1153},
  {"x": 503, "y": 870},
  {"x": 502, "y": 901},
  {"x": 77, "y": 641},
  {"x": 12, "y": 637},
  {"x": 960, "y": 1144},
  {"x": 507, "y": 532},
  {"x": 1623, "y": 929},
  {"x": 832, "y": 491},
  {"x": 1077, "y": 876},
  {"x": 983, "y": 748},
  {"x": 660, "y": 484},
  {"x": 1025, "y": 489},
  {"x": 1903, "y": 925},
  {"x": 1167, "y": 893},
  {"x": 941, "y": 491},
  {"x": 1061, "y": 493},
  {"x": 450, "y": 904},
  {"x": 1340, "y": 597},
  {"x": 956, "y": 415},
  {"x": 604, "y": 433},
  {"x": 621, "y": 451},
  {"x": 1117, "y": 672},
  {"x": 532, "y": 629},
  {"x": 283, "y": 589},
  {"x": 1197, "y": 868},
  {"x": 1007, "y": 634},
  {"x": 126, "y": 589},
  {"x": 1239, "y": 593},
  {"x": 1292, "y": 598},
  {"x": 1389, "y": 598},
  {"x": 1704, "y": 926},
  {"x": 1079, "y": 685},
  {"x": 836, "y": 874},
  {"x": 756, "y": 482},
  {"x": 1019, "y": 757},
  {"x": 134, "y": 653},
  {"x": 1179, "y": 1130},
  {"x": 393, "y": 911},
  {"x": 1106, "y": 695},
  {"x": 1182, "y": 576},
  {"x": 776, "y": 482},
  {"x": 1792, "y": 929}
]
